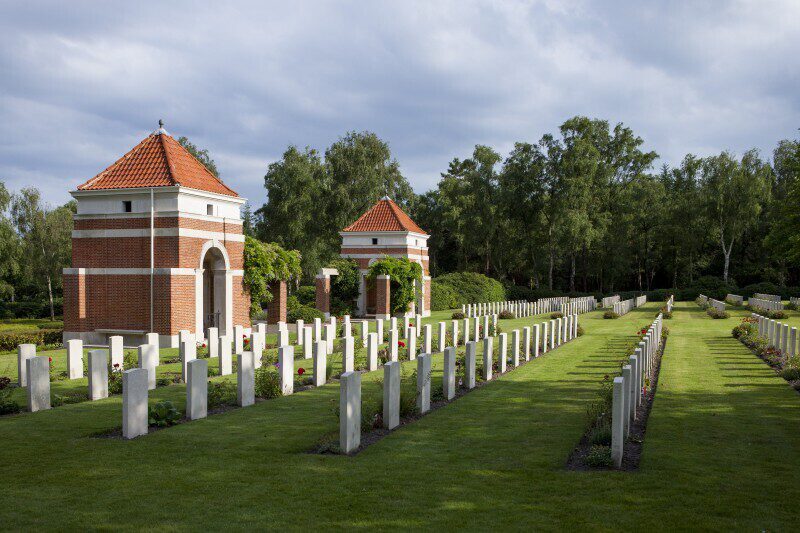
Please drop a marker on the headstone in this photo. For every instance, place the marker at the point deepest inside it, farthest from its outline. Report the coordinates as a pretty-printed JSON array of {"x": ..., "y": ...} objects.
[
  {"x": 197, "y": 389},
  {"x": 372, "y": 352},
  {"x": 98, "y": 374},
  {"x": 391, "y": 394},
  {"x": 393, "y": 323},
  {"x": 515, "y": 347},
  {"x": 626, "y": 398},
  {"x": 348, "y": 354},
  {"x": 350, "y": 411},
  {"x": 320, "y": 363},
  {"x": 792, "y": 342},
  {"x": 212, "y": 341},
  {"x": 365, "y": 333},
  {"x": 545, "y": 337},
  {"x": 412, "y": 343},
  {"x": 147, "y": 361},
  {"x": 245, "y": 380},
  {"x": 449, "y": 373},
  {"x": 115, "y": 349},
  {"x": 526, "y": 342},
  {"x": 134, "y": 403},
  {"x": 38, "y": 390},
  {"x": 442, "y": 336},
  {"x": 286, "y": 364},
  {"x": 393, "y": 345},
  {"x": 283, "y": 337},
  {"x": 298, "y": 330},
  {"x": 469, "y": 364},
  {"x": 257, "y": 343},
  {"x": 631, "y": 385},
  {"x": 308, "y": 342},
  {"x": 488, "y": 356},
  {"x": 317, "y": 330},
  {"x": 424, "y": 383},
  {"x": 75, "y": 358},
  {"x": 617, "y": 422},
  {"x": 225, "y": 356},
  {"x": 330, "y": 335},
  {"x": 466, "y": 331},
  {"x": 536, "y": 340},
  {"x": 347, "y": 327},
  {"x": 153, "y": 338},
  {"x": 379, "y": 331},
  {"x": 502, "y": 357},
  {"x": 427, "y": 340},
  {"x": 455, "y": 333},
  {"x": 559, "y": 332},
  {"x": 188, "y": 352},
  {"x": 238, "y": 339}
]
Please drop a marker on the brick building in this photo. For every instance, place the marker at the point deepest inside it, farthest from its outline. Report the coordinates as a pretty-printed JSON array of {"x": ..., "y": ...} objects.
[
  {"x": 384, "y": 230},
  {"x": 157, "y": 247}
]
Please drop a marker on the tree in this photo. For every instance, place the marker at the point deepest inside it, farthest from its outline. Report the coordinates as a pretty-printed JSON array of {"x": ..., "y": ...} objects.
[
  {"x": 734, "y": 193},
  {"x": 201, "y": 155},
  {"x": 265, "y": 263},
  {"x": 9, "y": 247},
  {"x": 46, "y": 235}
]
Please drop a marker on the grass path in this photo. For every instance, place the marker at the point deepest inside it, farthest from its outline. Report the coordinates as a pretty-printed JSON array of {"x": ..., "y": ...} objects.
[{"x": 722, "y": 452}]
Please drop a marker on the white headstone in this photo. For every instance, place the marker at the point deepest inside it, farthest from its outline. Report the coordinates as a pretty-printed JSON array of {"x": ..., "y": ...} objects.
[
  {"x": 391, "y": 394},
  {"x": 38, "y": 391},
  {"x": 469, "y": 364},
  {"x": 134, "y": 403},
  {"x": 188, "y": 352},
  {"x": 225, "y": 356},
  {"x": 320, "y": 363},
  {"x": 348, "y": 354},
  {"x": 197, "y": 389},
  {"x": 212, "y": 342},
  {"x": 424, "y": 383},
  {"x": 115, "y": 350},
  {"x": 286, "y": 364},
  {"x": 98, "y": 374},
  {"x": 449, "y": 373},
  {"x": 75, "y": 358},
  {"x": 147, "y": 361},
  {"x": 245, "y": 380},
  {"x": 372, "y": 352},
  {"x": 350, "y": 411}
]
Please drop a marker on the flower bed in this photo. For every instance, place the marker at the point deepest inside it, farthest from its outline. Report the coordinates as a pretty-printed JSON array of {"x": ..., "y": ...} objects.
[{"x": 788, "y": 367}]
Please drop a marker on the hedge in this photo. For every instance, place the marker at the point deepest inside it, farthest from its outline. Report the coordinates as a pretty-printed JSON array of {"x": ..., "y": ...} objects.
[
  {"x": 45, "y": 337},
  {"x": 469, "y": 287},
  {"x": 443, "y": 297}
]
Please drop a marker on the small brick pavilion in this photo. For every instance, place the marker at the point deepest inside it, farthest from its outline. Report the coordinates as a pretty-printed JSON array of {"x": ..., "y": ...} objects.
[
  {"x": 157, "y": 247},
  {"x": 384, "y": 230}
]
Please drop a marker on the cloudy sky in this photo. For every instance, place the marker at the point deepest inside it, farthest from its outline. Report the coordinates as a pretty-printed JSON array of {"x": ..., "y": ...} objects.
[{"x": 82, "y": 82}]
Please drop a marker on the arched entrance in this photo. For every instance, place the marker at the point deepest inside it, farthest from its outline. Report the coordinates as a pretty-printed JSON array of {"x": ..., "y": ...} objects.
[{"x": 214, "y": 304}]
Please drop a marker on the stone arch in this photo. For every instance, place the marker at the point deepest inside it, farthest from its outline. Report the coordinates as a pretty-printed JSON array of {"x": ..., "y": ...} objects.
[{"x": 214, "y": 290}]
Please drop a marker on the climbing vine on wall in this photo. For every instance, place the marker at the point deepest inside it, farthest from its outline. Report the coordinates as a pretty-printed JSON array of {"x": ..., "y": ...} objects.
[
  {"x": 404, "y": 274},
  {"x": 345, "y": 286},
  {"x": 264, "y": 263}
]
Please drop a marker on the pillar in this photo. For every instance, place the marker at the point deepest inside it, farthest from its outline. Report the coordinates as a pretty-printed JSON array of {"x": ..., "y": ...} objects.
[
  {"x": 383, "y": 308},
  {"x": 276, "y": 312}
]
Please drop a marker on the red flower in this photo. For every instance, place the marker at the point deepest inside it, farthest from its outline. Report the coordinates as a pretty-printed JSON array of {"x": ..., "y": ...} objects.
[
  {"x": 401, "y": 344},
  {"x": 204, "y": 345},
  {"x": 301, "y": 371},
  {"x": 116, "y": 365},
  {"x": 411, "y": 324},
  {"x": 50, "y": 359}
]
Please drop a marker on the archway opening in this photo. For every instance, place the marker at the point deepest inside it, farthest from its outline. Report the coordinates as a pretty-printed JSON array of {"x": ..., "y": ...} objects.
[{"x": 214, "y": 288}]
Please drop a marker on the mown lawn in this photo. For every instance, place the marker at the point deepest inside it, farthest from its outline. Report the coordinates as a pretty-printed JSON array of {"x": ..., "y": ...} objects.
[{"x": 722, "y": 452}]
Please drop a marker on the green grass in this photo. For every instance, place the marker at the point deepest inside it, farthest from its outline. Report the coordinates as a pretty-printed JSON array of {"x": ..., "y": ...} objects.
[{"x": 721, "y": 452}]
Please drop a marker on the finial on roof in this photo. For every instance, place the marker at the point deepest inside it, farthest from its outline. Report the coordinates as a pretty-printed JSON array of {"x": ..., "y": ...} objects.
[
  {"x": 161, "y": 129},
  {"x": 385, "y": 197}
]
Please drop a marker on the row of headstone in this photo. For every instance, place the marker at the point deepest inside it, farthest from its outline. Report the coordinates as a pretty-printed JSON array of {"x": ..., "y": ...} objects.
[
  {"x": 772, "y": 297},
  {"x": 703, "y": 298},
  {"x": 794, "y": 301},
  {"x": 580, "y": 305},
  {"x": 629, "y": 388},
  {"x": 551, "y": 305},
  {"x": 520, "y": 308},
  {"x": 716, "y": 304},
  {"x": 766, "y": 305},
  {"x": 624, "y": 307},
  {"x": 640, "y": 300},
  {"x": 780, "y": 336},
  {"x": 735, "y": 299},
  {"x": 525, "y": 343},
  {"x": 609, "y": 301}
]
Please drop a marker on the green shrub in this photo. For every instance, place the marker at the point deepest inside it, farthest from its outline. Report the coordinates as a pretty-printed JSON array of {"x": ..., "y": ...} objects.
[
  {"x": 457, "y": 315},
  {"x": 443, "y": 296},
  {"x": 598, "y": 456},
  {"x": 304, "y": 313},
  {"x": 713, "y": 312},
  {"x": 43, "y": 337},
  {"x": 268, "y": 382},
  {"x": 404, "y": 275},
  {"x": 306, "y": 295},
  {"x": 506, "y": 315},
  {"x": 470, "y": 287},
  {"x": 580, "y": 330},
  {"x": 70, "y": 397},
  {"x": 163, "y": 414},
  {"x": 221, "y": 393},
  {"x": 610, "y": 315},
  {"x": 7, "y": 406},
  {"x": 777, "y": 315},
  {"x": 600, "y": 436},
  {"x": 556, "y": 315},
  {"x": 345, "y": 286},
  {"x": 666, "y": 315}
]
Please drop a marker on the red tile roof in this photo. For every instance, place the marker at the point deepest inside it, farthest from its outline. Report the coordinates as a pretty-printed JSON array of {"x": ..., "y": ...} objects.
[
  {"x": 157, "y": 161},
  {"x": 384, "y": 216}
]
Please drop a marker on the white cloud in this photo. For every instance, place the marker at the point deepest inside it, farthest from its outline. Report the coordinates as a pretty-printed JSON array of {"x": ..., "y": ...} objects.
[{"x": 82, "y": 82}]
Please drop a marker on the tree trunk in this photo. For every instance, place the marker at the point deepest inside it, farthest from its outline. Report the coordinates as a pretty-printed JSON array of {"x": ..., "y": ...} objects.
[
  {"x": 50, "y": 294},
  {"x": 550, "y": 273},
  {"x": 572, "y": 274}
]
